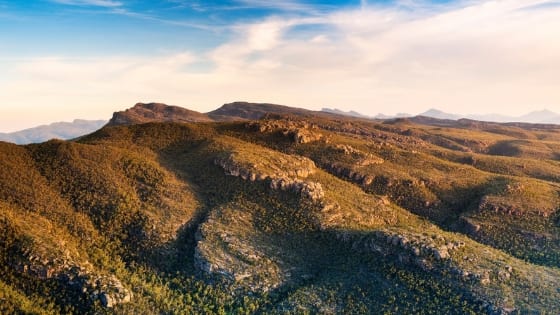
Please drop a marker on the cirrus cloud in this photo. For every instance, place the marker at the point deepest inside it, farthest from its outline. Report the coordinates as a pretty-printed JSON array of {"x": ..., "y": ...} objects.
[
  {"x": 469, "y": 57},
  {"x": 96, "y": 3}
]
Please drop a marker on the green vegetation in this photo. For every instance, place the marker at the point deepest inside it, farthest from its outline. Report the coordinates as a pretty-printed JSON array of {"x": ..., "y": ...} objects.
[{"x": 291, "y": 214}]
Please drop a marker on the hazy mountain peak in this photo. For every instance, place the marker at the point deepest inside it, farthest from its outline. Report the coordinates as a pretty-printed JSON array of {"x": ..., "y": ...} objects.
[
  {"x": 57, "y": 130},
  {"x": 543, "y": 112},
  {"x": 436, "y": 113},
  {"x": 345, "y": 113},
  {"x": 541, "y": 116}
]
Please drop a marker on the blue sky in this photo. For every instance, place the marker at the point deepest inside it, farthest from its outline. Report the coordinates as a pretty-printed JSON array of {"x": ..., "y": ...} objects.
[
  {"x": 66, "y": 59},
  {"x": 97, "y": 27}
]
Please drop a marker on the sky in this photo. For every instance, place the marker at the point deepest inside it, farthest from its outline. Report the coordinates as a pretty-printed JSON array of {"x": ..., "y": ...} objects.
[{"x": 67, "y": 59}]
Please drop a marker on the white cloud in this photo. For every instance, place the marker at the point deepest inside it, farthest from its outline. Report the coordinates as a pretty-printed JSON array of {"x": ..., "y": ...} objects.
[
  {"x": 479, "y": 57},
  {"x": 283, "y": 5},
  {"x": 97, "y": 3}
]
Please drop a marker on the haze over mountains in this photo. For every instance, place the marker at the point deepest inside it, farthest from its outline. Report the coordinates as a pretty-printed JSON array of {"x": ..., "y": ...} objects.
[
  {"x": 536, "y": 117},
  {"x": 268, "y": 209},
  {"x": 59, "y": 130},
  {"x": 162, "y": 112}
]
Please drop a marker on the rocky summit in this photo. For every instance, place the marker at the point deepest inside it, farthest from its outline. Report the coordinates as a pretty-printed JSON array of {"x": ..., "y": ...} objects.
[{"x": 269, "y": 209}]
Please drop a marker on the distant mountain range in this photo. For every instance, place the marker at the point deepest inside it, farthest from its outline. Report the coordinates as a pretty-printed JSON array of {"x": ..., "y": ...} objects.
[
  {"x": 535, "y": 117},
  {"x": 58, "y": 130},
  {"x": 352, "y": 113},
  {"x": 340, "y": 112},
  {"x": 237, "y": 110}
]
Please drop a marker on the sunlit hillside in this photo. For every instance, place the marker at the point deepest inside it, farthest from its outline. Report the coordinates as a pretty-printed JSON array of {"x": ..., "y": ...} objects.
[{"x": 266, "y": 209}]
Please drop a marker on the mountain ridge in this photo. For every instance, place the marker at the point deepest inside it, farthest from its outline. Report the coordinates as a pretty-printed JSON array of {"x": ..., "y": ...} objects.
[
  {"x": 151, "y": 112},
  {"x": 293, "y": 212},
  {"x": 537, "y": 117}
]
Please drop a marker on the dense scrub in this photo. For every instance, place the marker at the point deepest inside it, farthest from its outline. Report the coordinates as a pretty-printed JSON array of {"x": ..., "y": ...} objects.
[{"x": 288, "y": 214}]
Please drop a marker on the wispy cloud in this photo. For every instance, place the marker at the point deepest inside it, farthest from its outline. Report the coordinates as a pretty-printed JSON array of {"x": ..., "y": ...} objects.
[
  {"x": 95, "y": 3},
  {"x": 283, "y": 5},
  {"x": 467, "y": 57},
  {"x": 542, "y": 5},
  {"x": 126, "y": 12},
  {"x": 286, "y": 6}
]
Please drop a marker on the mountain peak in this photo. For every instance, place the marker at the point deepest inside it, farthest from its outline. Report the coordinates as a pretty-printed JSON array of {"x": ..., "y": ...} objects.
[
  {"x": 56, "y": 130},
  {"x": 541, "y": 116},
  {"x": 249, "y": 111},
  {"x": 436, "y": 113},
  {"x": 156, "y": 112},
  {"x": 350, "y": 113}
]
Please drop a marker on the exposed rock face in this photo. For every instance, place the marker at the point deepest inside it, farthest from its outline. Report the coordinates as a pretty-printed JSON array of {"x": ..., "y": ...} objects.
[
  {"x": 226, "y": 249},
  {"x": 156, "y": 112},
  {"x": 111, "y": 292},
  {"x": 515, "y": 198},
  {"x": 353, "y": 170},
  {"x": 299, "y": 131},
  {"x": 351, "y": 174},
  {"x": 279, "y": 178},
  {"x": 429, "y": 253},
  {"x": 310, "y": 190},
  {"x": 486, "y": 204},
  {"x": 296, "y": 166},
  {"x": 304, "y": 135},
  {"x": 436, "y": 255},
  {"x": 362, "y": 158},
  {"x": 241, "y": 258},
  {"x": 108, "y": 289}
]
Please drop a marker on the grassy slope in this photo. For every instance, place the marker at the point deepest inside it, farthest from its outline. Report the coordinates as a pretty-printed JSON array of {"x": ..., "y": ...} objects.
[{"x": 123, "y": 190}]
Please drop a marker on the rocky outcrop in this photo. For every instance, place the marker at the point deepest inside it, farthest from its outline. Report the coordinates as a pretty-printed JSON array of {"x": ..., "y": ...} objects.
[
  {"x": 293, "y": 167},
  {"x": 429, "y": 253},
  {"x": 516, "y": 199},
  {"x": 307, "y": 189},
  {"x": 352, "y": 169},
  {"x": 227, "y": 250},
  {"x": 423, "y": 246},
  {"x": 108, "y": 289},
  {"x": 361, "y": 158},
  {"x": 299, "y": 131},
  {"x": 346, "y": 172},
  {"x": 278, "y": 177},
  {"x": 434, "y": 254},
  {"x": 486, "y": 204},
  {"x": 507, "y": 207},
  {"x": 304, "y": 135}
]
